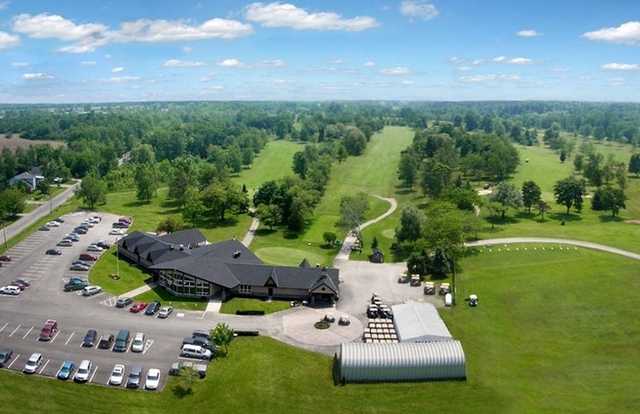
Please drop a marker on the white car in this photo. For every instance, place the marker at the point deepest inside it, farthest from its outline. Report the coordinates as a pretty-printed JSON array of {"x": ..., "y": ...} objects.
[
  {"x": 10, "y": 290},
  {"x": 153, "y": 379},
  {"x": 94, "y": 248},
  {"x": 117, "y": 375},
  {"x": 84, "y": 371},
  {"x": 137, "y": 345},
  {"x": 53, "y": 224},
  {"x": 88, "y": 223},
  {"x": 117, "y": 232},
  {"x": 33, "y": 363},
  {"x": 91, "y": 290}
]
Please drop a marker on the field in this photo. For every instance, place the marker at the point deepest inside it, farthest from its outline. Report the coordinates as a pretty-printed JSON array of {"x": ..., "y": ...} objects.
[
  {"x": 273, "y": 162},
  {"x": 374, "y": 172},
  {"x": 243, "y": 304},
  {"x": 555, "y": 331},
  {"x": 12, "y": 142}
]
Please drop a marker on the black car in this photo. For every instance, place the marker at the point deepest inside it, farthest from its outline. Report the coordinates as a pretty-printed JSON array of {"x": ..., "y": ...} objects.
[
  {"x": 80, "y": 230},
  {"x": 120, "y": 225},
  {"x": 21, "y": 283},
  {"x": 59, "y": 220},
  {"x": 44, "y": 228},
  {"x": 53, "y": 252},
  {"x": 5, "y": 356},
  {"x": 135, "y": 377},
  {"x": 90, "y": 338},
  {"x": 123, "y": 302},
  {"x": 103, "y": 244},
  {"x": 75, "y": 284},
  {"x": 106, "y": 342},
  {"x": 152, "y": 308}
]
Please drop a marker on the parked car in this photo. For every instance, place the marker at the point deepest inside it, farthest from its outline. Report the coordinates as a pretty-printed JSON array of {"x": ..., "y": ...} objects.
[
  {"x": 137, "y": 345},
  {"x": 53, "y": 224},
  {"x": 195, "y": 351},
  {"x": 33, "y": 363},
  {"x": 201, "y": 369},
  {"x": 117, "y": 375},
  {"x": 10, "y": 290},
  {"x": 22, "y": 284},
  {"x": 44, "y": 228},
  {"x": 54, "y": 252},
  {"x": 81, "y": 263},
  {"x": 344, "y": 320},
  {"x": 164, "y": 312},
  {"x": 102, "y": 244},
  {"x": 201, "y": 334},
  {"x": 84, "y": 371},
  {"x": 122, "y": 341},
  {"x": 66, "y": 370},
  {"x": 90, "y": 338},
  {"x": 59, "y": 220},
  {"x": 117, "y": 232},
  {"x": 120, "y": 225},
  {"x": 73, "y": 237},
  {"x": 123, "y": 302},
  {"x": 5, "y": 356},
  {"x": 137, "y": 307},
  {"x": 152, "y": 308},
  {"x": 91, "y": 290},
  {"x": 65, "y": 243},
  {"x": 153, "y": 379},
  {"x": 5, "y": 258},
  {"x": 94, "y": 248},
  {"x": 106, "y": 342},
  {"x": 126, "y": 220},
  {"x": 79, "y": 267},
  {"x": 80, "y": 230},
  {"x": 49, "y": 330},
  {"x": 75, "y": 284},
  {"x": 199, "y": 341},
  {"x": 88, "y": 257},
  {"x": 135, "y": 374}
]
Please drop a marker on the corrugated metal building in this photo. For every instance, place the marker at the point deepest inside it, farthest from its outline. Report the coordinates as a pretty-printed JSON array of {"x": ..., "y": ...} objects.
[
  {"x": 419, "y": 322},
  {"x": 359, "y": 362}
]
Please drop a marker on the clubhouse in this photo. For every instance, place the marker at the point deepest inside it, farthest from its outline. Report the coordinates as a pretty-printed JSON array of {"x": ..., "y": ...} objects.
[{"x": 187, "y": 265}]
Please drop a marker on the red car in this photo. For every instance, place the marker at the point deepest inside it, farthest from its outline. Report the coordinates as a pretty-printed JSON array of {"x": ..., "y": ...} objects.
[
  {"x": 49, "y": 330},
  {"x": 5, "y": 258},
  {"x": 137, "y": 307},
  {"x": 88, "y": 257}
]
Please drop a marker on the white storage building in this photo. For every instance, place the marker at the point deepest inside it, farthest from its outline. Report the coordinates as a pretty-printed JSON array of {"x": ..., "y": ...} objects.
[
  {"x": 360, "y": 362},
  {"x": 419, "y": 322}
]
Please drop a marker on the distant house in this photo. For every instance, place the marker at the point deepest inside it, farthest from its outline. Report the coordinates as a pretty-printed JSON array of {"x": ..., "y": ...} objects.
[
  {"x": 376, "y": 256},
  {"x": 185, "y": 264},
  {"x": 29, "y": 179}
]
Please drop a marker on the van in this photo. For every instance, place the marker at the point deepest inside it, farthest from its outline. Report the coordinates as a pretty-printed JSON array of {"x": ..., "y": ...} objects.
[
  {"x": 122, "y": 341},
  {"x": 195, "y": 351}
]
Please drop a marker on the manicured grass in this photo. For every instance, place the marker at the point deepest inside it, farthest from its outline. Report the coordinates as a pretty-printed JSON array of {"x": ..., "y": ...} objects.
[
  {"x": 273, "y": 162},
  {"x": 131, "y": 276},
  {"x": 555, "y": 331},
  {"x": 290, "y": 256},
  {"x": 244, "y": 304},
  {"x": 374, "y": 172},
  {"x": 167, "y": 299}
]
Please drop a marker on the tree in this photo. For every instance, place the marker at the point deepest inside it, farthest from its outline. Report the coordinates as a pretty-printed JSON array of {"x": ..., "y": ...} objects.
[
  {"x": 563, "y": 155},
  {"x": 184, "y": 177},
  {"x": 530, "y": 194},
  {"x": 146, "y": 180},
  {"x": 354, "y": 141},
  {"x": 353, "y": 210},
  {"x": 12, "y": 202},
  {"x": 634, "y": 164},
  {"x": 593, "y": 169},
  {"x": 184, "y": 384},
  {"x": 92, "y": 190},
  {"x": 170, "y": 225},
  {"x": 143, "y": 154},
  {"x": 300, "y": 164},
  {"x": 222, "y": 336},
  {"x": 408, "y": 168},
  {"x": 222, "y": 196},
  {"x": 43, "y": 187},
  {"x": 193, "y": 209},
  {"x": 374, "y": 243},
  {"x": 436, "y": 176},
  {"x": 569, "y": 192},
  {"x": 508, "y": 196},
  {"x": 329, "y": 238},
  {"x": 269, "y": 214},
  {"x": 608, "y": 199},
  {"x": 411, "y": 222},
  {"x": 542, "y": 208},
  {"x": 578, "y": 162},
  {"x": 444, "y": 230}
]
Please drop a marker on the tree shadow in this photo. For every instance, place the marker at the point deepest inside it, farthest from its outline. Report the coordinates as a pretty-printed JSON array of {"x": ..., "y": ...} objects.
[
  {"x": 609, "y": 219},
  {"x": 571, "y": 217},
  {"x": 137, "y": 203},
  {"x": 180, "y": 391},
  {"x": 498, "y": 220},
  {"x": 265, "y": 232}
]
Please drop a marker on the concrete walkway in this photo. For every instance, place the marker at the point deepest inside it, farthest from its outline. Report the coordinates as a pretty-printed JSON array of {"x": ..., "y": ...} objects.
[
  {"x": 251, "y": 233},
  {"x": 139, "y": 291},
  {"x": 349, "y": 241},
  {"x": 579, "y": 243}
]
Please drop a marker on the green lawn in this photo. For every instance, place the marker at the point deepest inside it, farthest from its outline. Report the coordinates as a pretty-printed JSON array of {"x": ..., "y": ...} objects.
[
  {"x": 273, "y": 162},
  {"x": 555, "y": 331},
  {"x": 131, "y": 276},
  {"x": 374, "y": 172},
  {"x": 244, "y": 304},
  {"x": 166, "y": 298}
]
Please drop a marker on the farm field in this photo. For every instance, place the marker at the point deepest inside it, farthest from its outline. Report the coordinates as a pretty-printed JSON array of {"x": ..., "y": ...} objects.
[
  {"x": 579, "y": 355},
  {"x": 374, "y": 172},
  {"x": 14, "y": 141}
]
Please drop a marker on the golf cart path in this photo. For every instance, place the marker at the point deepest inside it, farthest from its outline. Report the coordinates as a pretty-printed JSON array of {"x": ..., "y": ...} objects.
[
  {"x": 251, "y": 233},
  {"x": 579, "y": 243},
  {"x": 349, "y": 241}
]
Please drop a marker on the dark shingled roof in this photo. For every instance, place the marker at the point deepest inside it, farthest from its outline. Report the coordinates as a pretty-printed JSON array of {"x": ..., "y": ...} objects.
[
  {"x": 158, "y": 249},
  {"x": 304, "y": 263},
  {"x": 188, "y": 238}
]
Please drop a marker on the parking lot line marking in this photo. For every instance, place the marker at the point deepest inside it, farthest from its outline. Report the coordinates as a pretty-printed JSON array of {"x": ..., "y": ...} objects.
[
  {"x": 55, "y": 336},
  {"x": 94, "y": 374},
  {"x": 44, "y": 366},
  {"x": 69, "y": 338},
  {"x": 28, "y": 332},
  {"x": 147, "y": 346},
  {"x": 15, "y": 330},
  {"x": 4, "y": 326},
  {"x": 14, "y": 360}
]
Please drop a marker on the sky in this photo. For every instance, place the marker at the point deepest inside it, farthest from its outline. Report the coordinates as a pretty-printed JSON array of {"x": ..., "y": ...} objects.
[{"x": 66, "y": 51}]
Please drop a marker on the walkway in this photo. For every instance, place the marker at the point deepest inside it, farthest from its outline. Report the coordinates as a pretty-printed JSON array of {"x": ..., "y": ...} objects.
[
  {"x": 139, "y": 291},
  {"x": 251, "y": 233},
  {"x": 579, "y": 243},
  {"x": 349, "y": 241}
]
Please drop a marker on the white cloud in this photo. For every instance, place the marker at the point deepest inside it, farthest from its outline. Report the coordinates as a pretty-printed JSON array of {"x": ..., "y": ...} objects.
[
  {"x": 528, "y": 33},
  {"x": 621, "y": 66},
  {"x": 208, "y": 78},
  {"x": 520, "y": 61},
  {"x": 499, "y": 59},
  {"x": 8, "y": 40},
  {"x": 418, "y": 9},
  {"x": 274, "y": 63},
  {"x": 396, "y": 71},
  {"x": 477, "y": 62},
  {"x": 176, "y": 63},
  {"x": 627, "y": 33},
  {"x": 36, "y": 76},
  {"x": 288, "y": 15},
  {"x": 369, "y": 64},
  {"x": 117, "y": 69},
  {"x": 407, "y": 82},
  {"x": 231, "y": 63},
  {"x": 20, "y": 64},
  {"x": 187, "y": 49},
  {"x": 88, "y": 63},
  {"x": 488, "y": 78},
  {"x": 464, "y": 68},
  {"x": 53, "y": 26},
  {"x": 121, "y": 79}
]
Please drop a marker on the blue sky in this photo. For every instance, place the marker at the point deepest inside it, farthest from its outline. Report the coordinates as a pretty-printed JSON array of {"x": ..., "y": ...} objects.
[{"x": 88, "y": 51}]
